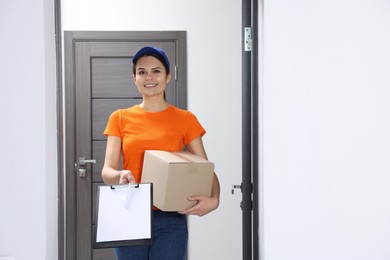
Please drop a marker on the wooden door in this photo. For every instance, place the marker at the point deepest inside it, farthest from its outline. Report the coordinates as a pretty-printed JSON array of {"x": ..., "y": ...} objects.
[{"x": 99, "y": 82}]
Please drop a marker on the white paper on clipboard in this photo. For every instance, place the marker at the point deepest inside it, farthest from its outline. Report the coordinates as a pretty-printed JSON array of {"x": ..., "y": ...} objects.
[{"x": 124, "y": 215}]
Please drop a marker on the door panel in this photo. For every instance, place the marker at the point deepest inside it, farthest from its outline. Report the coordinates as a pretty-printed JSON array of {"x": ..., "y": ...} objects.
[
  {"x": 110, "y": 77},
  {"x": 98, "y": 152},
  {"x": 102, "y": 83}
]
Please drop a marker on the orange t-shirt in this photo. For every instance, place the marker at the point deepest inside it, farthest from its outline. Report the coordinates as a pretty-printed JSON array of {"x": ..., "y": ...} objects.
[{"x": 168, "y": 130}]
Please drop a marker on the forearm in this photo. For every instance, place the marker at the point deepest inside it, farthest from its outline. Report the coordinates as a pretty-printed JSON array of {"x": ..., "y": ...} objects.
[
  {"x": 110, "y": 175},
  {"x": 204, "y": 204}
]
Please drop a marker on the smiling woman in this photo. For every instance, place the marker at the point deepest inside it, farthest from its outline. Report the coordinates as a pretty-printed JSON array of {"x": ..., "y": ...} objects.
[{"x": 155, "y": 125}]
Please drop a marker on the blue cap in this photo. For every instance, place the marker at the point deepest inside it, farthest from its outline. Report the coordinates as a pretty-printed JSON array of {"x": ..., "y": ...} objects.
[{"x": 148, "y": 50}]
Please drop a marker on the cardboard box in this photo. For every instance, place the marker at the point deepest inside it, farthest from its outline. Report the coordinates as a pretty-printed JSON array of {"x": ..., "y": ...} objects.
[{"x": 175, "y": 177}]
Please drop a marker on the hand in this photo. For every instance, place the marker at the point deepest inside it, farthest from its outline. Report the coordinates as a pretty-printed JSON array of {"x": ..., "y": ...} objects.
[
  {"x": 126, "y": 177},
  {"x": 203, "y": 206}
]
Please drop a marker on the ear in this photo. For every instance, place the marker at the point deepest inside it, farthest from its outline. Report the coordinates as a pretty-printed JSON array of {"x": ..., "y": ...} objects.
[{"x": 168, "y": 78}]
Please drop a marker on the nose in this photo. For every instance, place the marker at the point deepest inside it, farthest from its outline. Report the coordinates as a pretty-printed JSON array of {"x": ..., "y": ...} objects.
[{"x": 149, "y": 76}]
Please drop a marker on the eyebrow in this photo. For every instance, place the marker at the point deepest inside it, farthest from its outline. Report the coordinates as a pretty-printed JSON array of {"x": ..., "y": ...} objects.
[{"x": 155, "y": 68}]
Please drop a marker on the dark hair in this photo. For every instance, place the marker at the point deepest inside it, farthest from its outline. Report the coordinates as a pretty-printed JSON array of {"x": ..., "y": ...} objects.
[{"x": 155, "y": 56}]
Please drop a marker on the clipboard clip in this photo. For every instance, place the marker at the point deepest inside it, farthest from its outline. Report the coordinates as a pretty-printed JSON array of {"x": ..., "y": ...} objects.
[{"x": 121, "y": 186}]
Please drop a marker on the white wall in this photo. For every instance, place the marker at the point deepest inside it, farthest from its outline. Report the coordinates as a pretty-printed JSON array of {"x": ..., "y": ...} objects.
[
  {"x": 326, "y": 130},
  {"x": 214, "y": 92},
  {"x": 28, "y": 188}
]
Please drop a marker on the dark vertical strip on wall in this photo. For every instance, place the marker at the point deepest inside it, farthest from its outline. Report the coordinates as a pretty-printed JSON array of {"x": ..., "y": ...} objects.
[
  {"x": 246, "y": 186},
  {"x": 255, "y": 129}
]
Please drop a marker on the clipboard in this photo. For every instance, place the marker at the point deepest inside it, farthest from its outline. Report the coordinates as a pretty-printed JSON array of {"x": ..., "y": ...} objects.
[{"x": 123, "y": 215}]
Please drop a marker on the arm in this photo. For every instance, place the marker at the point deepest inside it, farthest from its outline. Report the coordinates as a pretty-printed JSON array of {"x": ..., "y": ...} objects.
[
  {"x": 110, "y": 172},
  {"x": 205, "y": 204}
]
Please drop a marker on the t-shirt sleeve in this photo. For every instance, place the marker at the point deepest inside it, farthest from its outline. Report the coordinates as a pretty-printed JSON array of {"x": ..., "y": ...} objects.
[
  {"x": 195, "y": 129},
  {"x": 113, "y": 125}
]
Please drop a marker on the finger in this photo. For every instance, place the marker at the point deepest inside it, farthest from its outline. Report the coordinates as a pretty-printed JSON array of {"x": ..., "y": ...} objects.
[
  {"x": 128, "y": 176},
  {"x": 194, "y": 210},
  {"x": 130, "y": 179},
  {"x": 124, "y": 180},
  {"x": 187, "y": 211},
  {"x": 198, "y": 198}
]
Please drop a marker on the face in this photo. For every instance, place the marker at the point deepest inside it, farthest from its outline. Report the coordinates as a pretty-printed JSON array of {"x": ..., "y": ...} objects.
[{"x": 151, "y": 77}]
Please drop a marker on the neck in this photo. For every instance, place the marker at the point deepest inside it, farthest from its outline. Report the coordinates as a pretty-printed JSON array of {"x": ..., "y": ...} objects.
[{"x": 154, "y": 105}]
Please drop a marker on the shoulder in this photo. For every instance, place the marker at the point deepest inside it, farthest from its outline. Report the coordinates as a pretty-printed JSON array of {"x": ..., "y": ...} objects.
[
  {"x": 186, "y": 117},
  {"x": 181, "y": 112},
  {"x": 125, "y": 111}
]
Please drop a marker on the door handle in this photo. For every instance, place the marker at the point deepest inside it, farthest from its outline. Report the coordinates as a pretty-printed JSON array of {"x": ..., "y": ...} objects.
[
  {"x": 82, "y": 171},
  {"x": 235, "y": 187},
  {"x": 83, "y": 161}
]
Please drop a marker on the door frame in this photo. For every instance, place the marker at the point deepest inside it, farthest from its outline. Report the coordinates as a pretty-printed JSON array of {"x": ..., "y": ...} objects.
[
  {"x": 250, "y": 132},
  {"x": 67, "y": 176}
]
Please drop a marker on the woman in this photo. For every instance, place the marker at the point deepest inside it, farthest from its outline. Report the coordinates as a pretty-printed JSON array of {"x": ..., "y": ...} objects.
[{"x": 155, "y": 125}]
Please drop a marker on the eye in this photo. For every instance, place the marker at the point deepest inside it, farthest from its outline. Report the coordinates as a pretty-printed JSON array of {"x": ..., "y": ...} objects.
[
  {"x": 156, "y": 71},
  {"x": 140, "y": 72}
]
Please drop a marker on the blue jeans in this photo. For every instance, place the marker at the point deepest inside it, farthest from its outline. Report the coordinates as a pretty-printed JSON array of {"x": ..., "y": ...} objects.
[{"x": 170, "y": 237}]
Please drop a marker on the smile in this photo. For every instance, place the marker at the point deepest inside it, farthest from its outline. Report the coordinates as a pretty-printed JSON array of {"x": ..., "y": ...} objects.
[{"x": 150, "y": 85}]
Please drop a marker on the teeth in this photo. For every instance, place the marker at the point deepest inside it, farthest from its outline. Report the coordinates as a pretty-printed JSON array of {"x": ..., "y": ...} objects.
[{"x": 150, "y": 85}]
